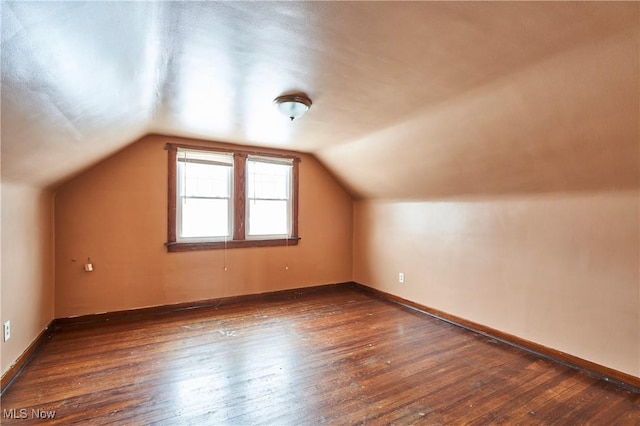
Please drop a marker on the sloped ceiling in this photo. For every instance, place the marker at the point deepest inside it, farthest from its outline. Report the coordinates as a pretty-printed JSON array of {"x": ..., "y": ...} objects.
[{"x": 410, "y": 100}]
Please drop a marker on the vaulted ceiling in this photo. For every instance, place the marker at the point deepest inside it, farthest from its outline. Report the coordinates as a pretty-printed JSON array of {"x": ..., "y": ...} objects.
[{"x": 410, "y": 99}]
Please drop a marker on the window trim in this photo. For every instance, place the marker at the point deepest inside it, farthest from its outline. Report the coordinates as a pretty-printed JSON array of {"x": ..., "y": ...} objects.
[{"x": 239, "y": 240}]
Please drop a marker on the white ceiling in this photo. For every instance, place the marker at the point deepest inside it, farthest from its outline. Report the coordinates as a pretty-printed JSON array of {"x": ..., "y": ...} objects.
[{"x": 410, "y": 100}]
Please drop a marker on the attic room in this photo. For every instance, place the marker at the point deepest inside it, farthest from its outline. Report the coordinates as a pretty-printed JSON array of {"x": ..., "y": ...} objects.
[{"x": 446, "y": 232}]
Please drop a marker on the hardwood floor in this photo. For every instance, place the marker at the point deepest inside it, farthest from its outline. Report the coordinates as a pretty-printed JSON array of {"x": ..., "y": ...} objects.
[{"x": 336, "y": 356}]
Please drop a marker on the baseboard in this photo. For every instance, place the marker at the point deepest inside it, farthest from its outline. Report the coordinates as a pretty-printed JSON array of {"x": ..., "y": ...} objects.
[
  {"x": 590, "y": 368},
  {"x": 136, "y": 314},
  {"x": 14, "y": 371},
  {"x": 141, "y": 313},
  {"x": 625, "y": 380}
]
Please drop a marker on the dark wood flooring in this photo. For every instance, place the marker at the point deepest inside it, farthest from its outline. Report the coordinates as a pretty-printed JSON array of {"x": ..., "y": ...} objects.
[{"x": 336, "y": 356}]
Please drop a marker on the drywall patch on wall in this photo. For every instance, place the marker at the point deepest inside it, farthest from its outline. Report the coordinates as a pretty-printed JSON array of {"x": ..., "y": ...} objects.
[
  {"x": 561, "y": 270},
  {"x": 27, "y": 266}
]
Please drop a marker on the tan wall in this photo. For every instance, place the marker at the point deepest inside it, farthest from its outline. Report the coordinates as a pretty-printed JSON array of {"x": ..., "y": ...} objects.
[
  {"x": 27, "y": 266},
  {"x": 116, "y": 213},
  {"x": 559, "y": 270}
]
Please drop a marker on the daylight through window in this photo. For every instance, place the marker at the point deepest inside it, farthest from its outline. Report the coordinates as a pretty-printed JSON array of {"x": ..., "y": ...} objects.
[
  {"x": 204, "y": 195},
  {"x": 228, "y": 198},
  {"x": 268, "y": 197}
]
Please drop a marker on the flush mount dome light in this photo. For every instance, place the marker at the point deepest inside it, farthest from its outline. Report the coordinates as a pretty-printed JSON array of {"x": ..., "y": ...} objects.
[{"x": 292, "y": 106}]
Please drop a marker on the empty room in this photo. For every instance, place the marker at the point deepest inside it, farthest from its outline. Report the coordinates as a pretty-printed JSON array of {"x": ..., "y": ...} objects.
[{"x": 300, "y": 213}]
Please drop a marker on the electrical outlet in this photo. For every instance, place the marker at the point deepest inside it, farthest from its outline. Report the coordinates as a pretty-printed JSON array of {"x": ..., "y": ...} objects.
[
  {"x": 401, "y": 278},
  {"x": 7, "y": 330}
]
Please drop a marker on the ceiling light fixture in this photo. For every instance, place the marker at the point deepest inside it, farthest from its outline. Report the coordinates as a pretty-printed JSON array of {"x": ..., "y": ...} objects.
[{"x": 292, "y": 106}]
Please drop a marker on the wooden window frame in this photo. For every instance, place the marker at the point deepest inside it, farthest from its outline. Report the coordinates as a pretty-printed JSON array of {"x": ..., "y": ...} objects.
[{"x": 239, "y": 202}]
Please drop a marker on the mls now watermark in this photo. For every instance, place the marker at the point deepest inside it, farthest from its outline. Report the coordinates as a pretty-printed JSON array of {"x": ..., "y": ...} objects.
[{"x": 23, "y": 413}]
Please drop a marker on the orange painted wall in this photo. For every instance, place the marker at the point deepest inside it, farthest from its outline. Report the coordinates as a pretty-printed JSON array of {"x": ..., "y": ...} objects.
[
  {"x": 561, "y": 270},
  {"x": 116, "y": 213},
  {"x": 27, "y": 266}
]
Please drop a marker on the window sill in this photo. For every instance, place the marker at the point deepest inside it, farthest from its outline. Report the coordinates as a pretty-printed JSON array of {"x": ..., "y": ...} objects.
[{"x": 216, "y": 245}]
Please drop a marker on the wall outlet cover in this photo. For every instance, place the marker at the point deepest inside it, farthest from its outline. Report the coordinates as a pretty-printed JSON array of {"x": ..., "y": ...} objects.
[{"x": 7, "y": 330}]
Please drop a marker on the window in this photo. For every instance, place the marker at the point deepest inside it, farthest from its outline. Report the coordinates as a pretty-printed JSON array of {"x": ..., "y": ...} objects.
[
  {"x": 204, "y": 195},
  {"x": 268, "y": 197},
  {"x": 223, "y": 198}
]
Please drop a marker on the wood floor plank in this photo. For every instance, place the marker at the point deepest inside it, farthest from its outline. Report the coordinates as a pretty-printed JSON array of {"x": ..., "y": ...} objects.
[{"x": 337, "y": 356}]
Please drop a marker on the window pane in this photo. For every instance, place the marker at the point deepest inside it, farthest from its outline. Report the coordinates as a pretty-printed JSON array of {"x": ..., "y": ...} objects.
[
  {"x": 203, "y": 180},
  {"x": 204, "y": 218},
  {"x": 207, "y": 156},
  {"x": 266, "y": 180},
  {"x": 267, "y": 217}
]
